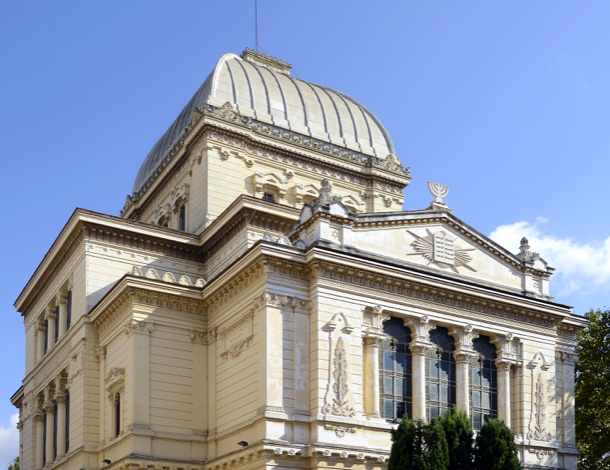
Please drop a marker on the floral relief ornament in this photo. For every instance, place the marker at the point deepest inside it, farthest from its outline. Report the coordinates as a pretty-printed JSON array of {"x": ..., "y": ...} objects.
[
  {"x": 339, "y": 405},
  {"x": 539, "y": 429}
]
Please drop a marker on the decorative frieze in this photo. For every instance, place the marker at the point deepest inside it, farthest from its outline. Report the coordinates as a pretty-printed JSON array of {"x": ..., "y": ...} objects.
[{"x": 340, "y": 430}]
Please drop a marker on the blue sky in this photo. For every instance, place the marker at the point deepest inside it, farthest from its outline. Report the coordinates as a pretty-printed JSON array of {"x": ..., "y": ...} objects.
[{"x": 507, "y": 103}]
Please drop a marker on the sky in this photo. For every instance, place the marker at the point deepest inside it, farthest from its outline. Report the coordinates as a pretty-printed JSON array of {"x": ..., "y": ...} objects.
[{"x": 507, "y": 103}]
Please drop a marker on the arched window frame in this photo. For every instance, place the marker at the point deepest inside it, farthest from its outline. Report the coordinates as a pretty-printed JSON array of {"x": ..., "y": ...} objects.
[
  {"x": 395, "y": 373},
  {"x": 483, "y": 383},
  {"x": 441, "y": 387}
]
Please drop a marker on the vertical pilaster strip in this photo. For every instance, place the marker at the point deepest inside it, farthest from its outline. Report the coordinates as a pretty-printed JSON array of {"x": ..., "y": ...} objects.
[
  {"x": 61, "y": 424},
  {"x": 51, "y": 325},
  {"x": 302, "y": 383},
  {"x": 568, "y": 400},
  {"x": 212, "y": 405},
  {"x": 62, "y": 301},
  {"x": 200, "y": 392},
  {"x": 371, "y": 367},
  {"x": 49, "y": 408},
  {"x": 39, "y": 420},
  {"x": 40, "y": 332},
  {"x": 139, "y": 398}
]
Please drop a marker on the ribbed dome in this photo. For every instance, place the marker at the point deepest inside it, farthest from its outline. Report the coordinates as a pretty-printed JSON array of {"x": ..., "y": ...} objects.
[{"x": 275, "y": 97}]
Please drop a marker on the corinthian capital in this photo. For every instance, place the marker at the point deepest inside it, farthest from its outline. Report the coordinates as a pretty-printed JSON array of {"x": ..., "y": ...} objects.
[{"x": 507, "y": 348}]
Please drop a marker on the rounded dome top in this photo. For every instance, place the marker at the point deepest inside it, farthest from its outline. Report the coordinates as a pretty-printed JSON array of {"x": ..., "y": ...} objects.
[{"x": 270, "y": 94}]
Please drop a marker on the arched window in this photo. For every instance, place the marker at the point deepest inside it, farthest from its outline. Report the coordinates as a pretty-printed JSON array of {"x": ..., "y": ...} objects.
[
  {"x": 395, "y": 371},
  {"x": 117, "y": 415},
  {"x": 54, "y": 429},
  {"x": 440, "y": 373},
  {"x": 483, "y": 383},
  {"x": 67, "y": 420}
]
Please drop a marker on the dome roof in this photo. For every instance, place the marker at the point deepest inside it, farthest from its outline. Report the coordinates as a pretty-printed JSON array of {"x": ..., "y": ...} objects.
[{"x": 262, "y": 88}]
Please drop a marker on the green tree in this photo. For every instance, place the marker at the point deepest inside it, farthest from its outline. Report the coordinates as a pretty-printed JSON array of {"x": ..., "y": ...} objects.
[
  {"x": 417, "y": 445},
  {"x": 495, "y": 448},
  {"x": 592, "y": 390},
  {"x": 14, "y": 465},
  {"x": 458, "y": 432}
]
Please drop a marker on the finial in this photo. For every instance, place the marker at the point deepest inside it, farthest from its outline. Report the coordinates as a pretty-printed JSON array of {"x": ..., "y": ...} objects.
[{"x": 439, "y": 192}]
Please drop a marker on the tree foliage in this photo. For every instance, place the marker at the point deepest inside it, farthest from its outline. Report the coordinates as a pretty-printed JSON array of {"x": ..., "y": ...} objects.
[
  {"x": 495, "y": 448},
  {"x": 14, "y": 465},
  {"x": 446, "y": 443},
  {"x": 458, "y": 432},
  {"x": 417, "y": 445},
  {"x": 592, "y": 391}
]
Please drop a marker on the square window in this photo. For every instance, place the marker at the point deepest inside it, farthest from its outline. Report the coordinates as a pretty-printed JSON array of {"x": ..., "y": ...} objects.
[
  {"x": 388, "y": 409},
  {"x": 434, "y": 368},
  {"x": 388, "y": 385},
  {"x": 444, "y": 394},
  {"x": 400, "y": 386},
  {"x": 433, "y": 392},
  {"x": 476, "y": 398},
  {"x": 486, "y": 401}
]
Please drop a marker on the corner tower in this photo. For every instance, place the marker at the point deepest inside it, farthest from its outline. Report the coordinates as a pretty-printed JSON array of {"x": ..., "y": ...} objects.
[{"x": 253, "y": 129}]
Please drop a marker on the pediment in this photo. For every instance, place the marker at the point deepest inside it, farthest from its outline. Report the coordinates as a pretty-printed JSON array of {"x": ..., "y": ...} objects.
[{"x": 444, "y": 246}]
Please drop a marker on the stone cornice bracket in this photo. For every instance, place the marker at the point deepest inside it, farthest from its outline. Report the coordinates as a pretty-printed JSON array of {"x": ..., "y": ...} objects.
[
  {"x": 38, "y": 415},
  {"x": 204, "y": 337},
  {"x": 139, "y": 327},
  {"x": 270, "y": 299},
  {"x": 463, "y": 342},
  {"x": 50, "y": 313},
  {"x": 60, "y": 397},
  {"x": 569, "y": 359},
  {"x": 508, "y": 350},
  {"x": 49, "y": 407},
  {"x": 420, "y": 333},
  {"x": 100, "y": 353}
]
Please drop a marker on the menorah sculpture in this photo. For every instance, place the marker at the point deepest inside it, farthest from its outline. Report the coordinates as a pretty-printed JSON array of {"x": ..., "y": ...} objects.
[{"x": 439, "y": 192}]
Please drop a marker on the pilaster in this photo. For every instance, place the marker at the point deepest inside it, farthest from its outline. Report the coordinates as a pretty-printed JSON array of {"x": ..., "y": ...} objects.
[{"x": 462, "y": 354}]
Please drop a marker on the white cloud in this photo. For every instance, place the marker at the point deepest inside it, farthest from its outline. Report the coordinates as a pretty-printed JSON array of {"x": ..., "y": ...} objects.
[
  {"x": 580, "y": 267},
  {"x": 9, "y": 441}
]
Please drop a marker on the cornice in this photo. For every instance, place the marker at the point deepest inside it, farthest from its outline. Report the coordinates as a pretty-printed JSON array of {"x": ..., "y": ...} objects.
[
  {"x": 315, "y": 156},
  {"x": 351, "y": 275}
]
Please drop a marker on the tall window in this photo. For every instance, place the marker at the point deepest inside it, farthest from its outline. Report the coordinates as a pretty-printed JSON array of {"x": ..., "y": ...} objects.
[
  {"x": 67, "y": 420},
  {"x": 56, "y": 324},
  {"x": 117, "y": 415},
  {"x": 46, "y": 335},
  {"x": 395, "y": 371},
  {"x": 69, "y": 311},
  {"x": 183, "y": 217},
  {"x": 440, "y": 373},
  {"x": 55, "y": 430},
  {"x": 483, "y": 383}
]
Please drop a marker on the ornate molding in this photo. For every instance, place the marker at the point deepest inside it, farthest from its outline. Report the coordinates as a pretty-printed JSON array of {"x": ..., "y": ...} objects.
[
  {"x": 169, "y": 277},
  {"x": 420, "y": 334},
  {"x": 204, "y": 337},
  {"x": 236, "y": 338},
  {"x": 508, "y": 349},
  {"x": 463, "y": 342},
  {"x": 340, "y": 430},
  {"x": 541, "y": 453},
  {"x": 539, "y": 321},
  {"x": 138, "y": 327},
  {"x": 538, "y": 429}
]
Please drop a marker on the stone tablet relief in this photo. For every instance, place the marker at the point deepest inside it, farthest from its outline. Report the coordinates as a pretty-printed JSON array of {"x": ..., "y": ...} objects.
[{"x": 440, "y": 249}]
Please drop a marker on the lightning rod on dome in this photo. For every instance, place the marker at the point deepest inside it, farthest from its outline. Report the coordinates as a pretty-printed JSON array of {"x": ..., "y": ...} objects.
[{"x": 256, "y": 23}]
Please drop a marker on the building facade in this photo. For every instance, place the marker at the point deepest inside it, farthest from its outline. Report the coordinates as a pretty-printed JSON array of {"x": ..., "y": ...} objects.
[{"x": 263, "y": 301}]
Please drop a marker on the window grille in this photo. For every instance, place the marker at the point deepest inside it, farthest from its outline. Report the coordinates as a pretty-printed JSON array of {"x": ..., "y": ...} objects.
[
  {"x": 395, "y": 371},
  {"x": 483, "y": 383},
  {"x": 440, "y": 373}
]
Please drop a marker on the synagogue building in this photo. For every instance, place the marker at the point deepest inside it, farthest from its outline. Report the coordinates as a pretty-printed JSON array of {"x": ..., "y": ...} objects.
[{"x": 263, "y": 301}]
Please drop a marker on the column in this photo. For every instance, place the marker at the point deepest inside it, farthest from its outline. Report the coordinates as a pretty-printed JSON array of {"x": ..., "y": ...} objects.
[
  {"x": 503, "y": 368},
  {"x": 49, "y": 408},
  {"x": 462, "y": 383},
  {"x": 418, "y": 354},
  {"x": 39, "y": 420},
  {"x": 61, "y": 424},
  {"x": 420, "y": 335},
  {"x": 371, "y": 367},
  {"x": 62, "y": 301},
  {"x": 40, "y": 331},
  {"x": 51, "y": 325}
]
